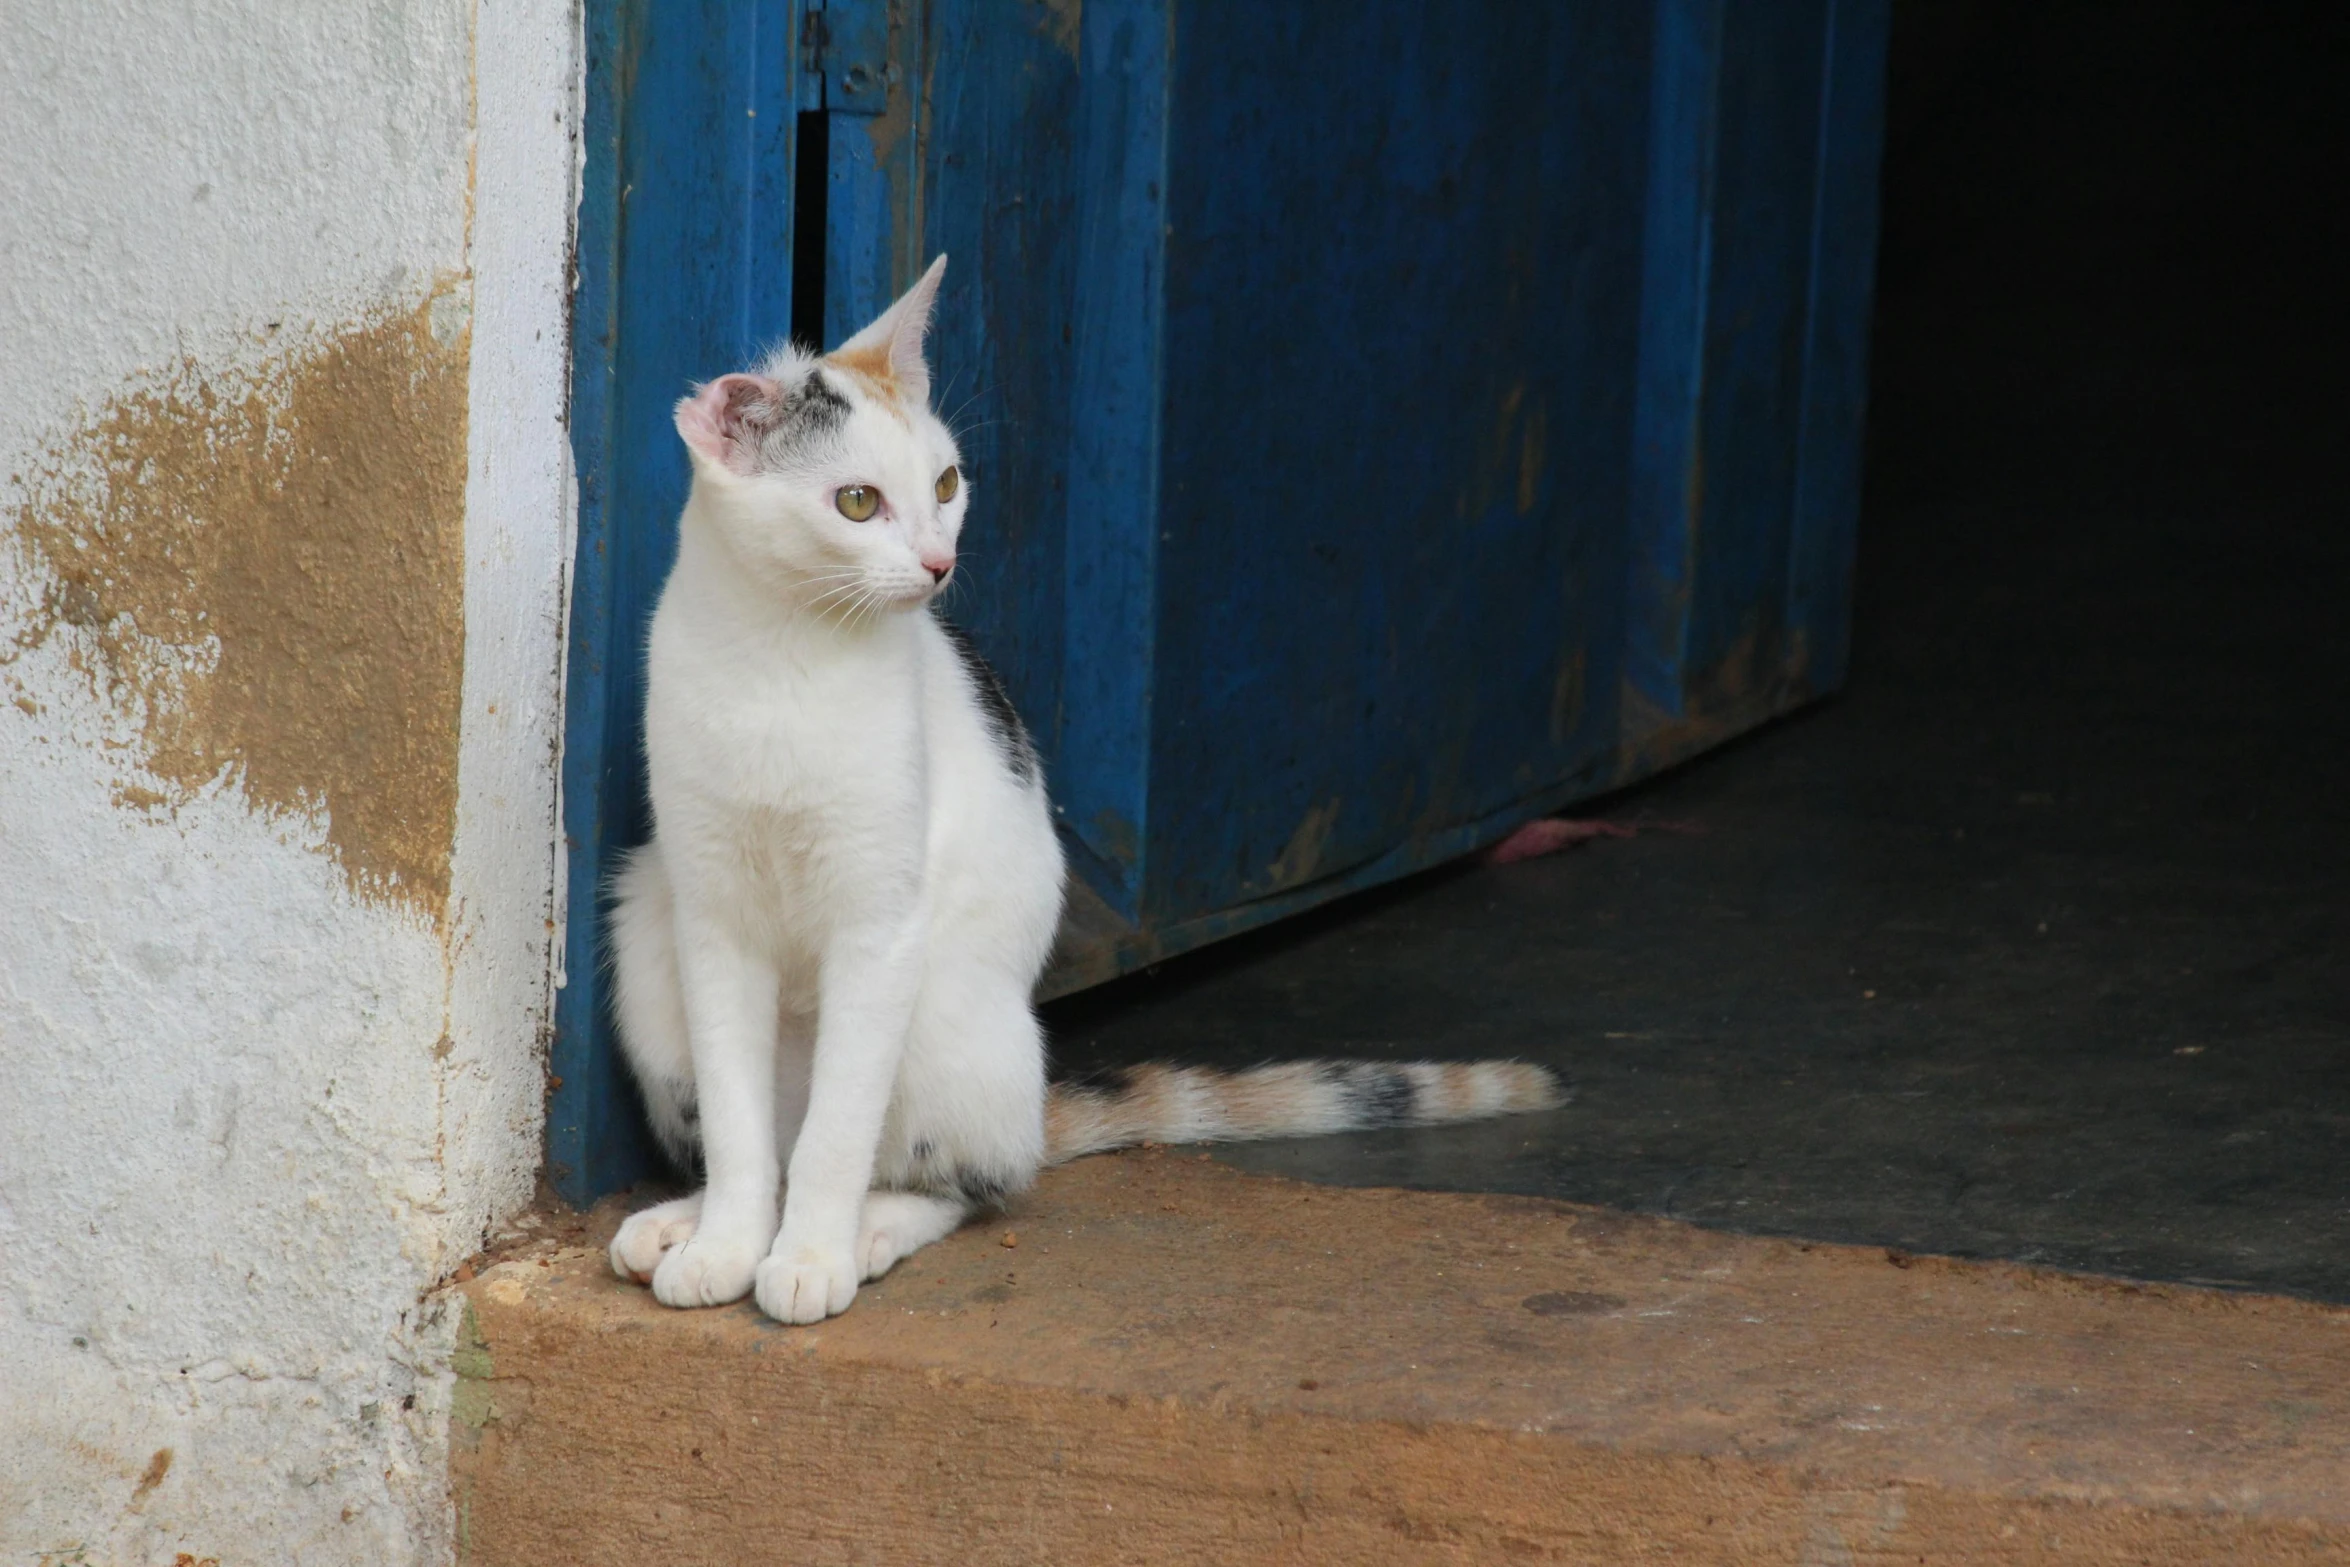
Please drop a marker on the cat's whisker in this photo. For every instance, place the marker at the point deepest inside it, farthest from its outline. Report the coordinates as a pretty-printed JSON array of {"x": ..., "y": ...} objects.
[
  {"x": 948, "y": 389},
  {"x": 949, "y": 420},
  {"x": 835, "y": 595}
]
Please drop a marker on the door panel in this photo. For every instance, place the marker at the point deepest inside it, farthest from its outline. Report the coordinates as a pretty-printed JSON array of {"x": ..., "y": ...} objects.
[{"x": 1387, "y": 423}]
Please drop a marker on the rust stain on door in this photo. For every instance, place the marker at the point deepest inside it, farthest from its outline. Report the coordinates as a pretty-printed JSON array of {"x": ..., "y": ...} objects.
[{"x": 1301, "y": 857}]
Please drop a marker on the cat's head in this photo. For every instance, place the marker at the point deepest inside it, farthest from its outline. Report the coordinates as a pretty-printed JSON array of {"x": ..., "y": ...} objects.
[{"x": 831, "y": 477}]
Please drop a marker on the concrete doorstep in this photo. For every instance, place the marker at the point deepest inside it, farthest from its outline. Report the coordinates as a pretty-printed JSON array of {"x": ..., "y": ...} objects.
[{"x": 1156, "y": 1359}]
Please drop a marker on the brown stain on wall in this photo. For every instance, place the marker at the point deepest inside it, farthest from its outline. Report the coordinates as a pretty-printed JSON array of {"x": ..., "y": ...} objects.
[
  {"x": 266, "y": 572},
  {"x": 157, "y": 1468}
]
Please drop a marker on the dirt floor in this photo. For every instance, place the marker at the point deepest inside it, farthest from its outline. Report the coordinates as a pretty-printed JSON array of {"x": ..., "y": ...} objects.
[
  {"x": 2031, "y": 944},
  {"x": 1157, "y": 1359}
]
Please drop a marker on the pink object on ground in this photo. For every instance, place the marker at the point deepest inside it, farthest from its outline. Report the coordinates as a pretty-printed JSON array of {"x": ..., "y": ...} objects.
[{"x": 1553, "y": 833}]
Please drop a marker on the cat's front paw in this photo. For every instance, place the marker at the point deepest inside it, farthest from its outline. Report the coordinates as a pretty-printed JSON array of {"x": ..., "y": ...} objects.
[
  {"x": 705, "y": 1271},
  {"x": 807, "y": 1284}
]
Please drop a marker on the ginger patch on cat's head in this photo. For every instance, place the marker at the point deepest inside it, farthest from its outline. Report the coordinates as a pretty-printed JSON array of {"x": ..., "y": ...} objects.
[
  {"x": 868, "y": 365},
  {"x": 886, "y": 357}
]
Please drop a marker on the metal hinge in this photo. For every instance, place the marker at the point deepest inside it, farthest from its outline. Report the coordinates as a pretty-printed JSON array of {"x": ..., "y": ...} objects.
[{"x": 846, "y": 43}]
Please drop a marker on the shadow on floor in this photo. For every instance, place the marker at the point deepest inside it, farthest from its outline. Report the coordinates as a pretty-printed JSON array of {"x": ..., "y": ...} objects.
[{"x": 2032, "y": 943}]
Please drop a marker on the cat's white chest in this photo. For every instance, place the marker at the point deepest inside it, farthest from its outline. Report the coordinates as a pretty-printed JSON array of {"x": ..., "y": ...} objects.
[
  {"x": 801, "y": 745},
  {"x": 801, "y": 790}
]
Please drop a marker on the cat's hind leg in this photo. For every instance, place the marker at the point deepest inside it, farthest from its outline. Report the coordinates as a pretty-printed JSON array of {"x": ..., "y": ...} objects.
[
  {"x": 969, "y": 1117},
  {"x": 637, "y": 1250},
  {"x": 898, "y": 1224},
  {"x": 649, "y": 1004},
  {"x": 651, "y": 1012}
]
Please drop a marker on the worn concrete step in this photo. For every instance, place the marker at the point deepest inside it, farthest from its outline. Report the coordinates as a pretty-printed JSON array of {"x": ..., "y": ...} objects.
[{"x": 1178, "y": 1363}]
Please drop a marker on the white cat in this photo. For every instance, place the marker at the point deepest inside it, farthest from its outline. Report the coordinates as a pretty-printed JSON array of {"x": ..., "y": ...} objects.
[{"x": 824, "y": 958}]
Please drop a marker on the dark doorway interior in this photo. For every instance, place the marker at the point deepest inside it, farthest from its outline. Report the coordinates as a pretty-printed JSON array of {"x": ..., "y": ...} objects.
[{"x": 2032, "y": 944}]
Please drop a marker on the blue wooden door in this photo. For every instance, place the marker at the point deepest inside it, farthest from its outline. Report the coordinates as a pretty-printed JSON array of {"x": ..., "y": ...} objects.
[{"x": 1391, "y": 422}]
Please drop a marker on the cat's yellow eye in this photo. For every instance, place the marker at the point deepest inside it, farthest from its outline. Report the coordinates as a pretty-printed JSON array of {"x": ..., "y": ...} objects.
[
  {"x": 948, "y": 483},
  {"x": 857, "y": 501}
]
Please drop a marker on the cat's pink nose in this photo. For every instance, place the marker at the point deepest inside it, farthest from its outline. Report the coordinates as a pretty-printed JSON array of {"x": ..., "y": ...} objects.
[{"x": 938, "y": 566}]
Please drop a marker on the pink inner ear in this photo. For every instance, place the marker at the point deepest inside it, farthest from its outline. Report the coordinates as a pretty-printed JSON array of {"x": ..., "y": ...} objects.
[{"x": 721, "y": 417}]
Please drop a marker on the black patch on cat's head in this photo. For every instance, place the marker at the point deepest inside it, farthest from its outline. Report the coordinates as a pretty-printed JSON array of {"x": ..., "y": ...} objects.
[
  {"x": 995, "y": 707},
  {"x": 811, "y": 409},
  {"x": 819, "y": 402}
]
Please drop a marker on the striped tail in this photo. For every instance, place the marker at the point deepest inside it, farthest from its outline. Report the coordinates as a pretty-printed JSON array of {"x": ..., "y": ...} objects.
[{"x": 1195, "y": 1104}]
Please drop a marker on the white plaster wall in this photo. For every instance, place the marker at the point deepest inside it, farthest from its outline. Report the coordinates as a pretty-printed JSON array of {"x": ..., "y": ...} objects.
[
  {"x": 506, "y": 895},
  {"x": 248, "y": 1120}
]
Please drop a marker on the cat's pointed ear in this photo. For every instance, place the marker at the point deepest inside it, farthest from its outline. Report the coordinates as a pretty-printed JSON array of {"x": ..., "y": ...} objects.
[
  {"x": 890, "y": 349},
  {"x": 723, "y": 420}
]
